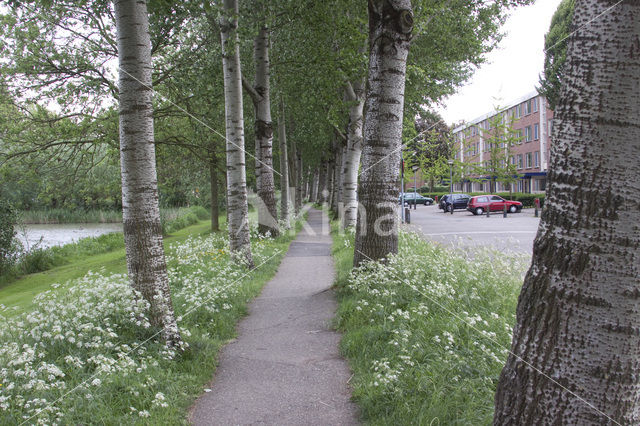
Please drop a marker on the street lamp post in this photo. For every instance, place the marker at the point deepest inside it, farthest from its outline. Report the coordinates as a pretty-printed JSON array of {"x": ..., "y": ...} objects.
[{"x": 450, "y": 162}]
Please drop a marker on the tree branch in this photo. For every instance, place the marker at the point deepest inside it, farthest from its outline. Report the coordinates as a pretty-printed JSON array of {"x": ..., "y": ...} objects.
[{"x": 255, "y": 96}]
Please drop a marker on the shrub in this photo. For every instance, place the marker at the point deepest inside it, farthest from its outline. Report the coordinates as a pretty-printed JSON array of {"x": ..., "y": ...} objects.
[{"x": 526, "y": 199}]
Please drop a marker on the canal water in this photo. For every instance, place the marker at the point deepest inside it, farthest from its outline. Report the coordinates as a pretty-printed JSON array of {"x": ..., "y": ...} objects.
[{"x": 44, "y": 236}]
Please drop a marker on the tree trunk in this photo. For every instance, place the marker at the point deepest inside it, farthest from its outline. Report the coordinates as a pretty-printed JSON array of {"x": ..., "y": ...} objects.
[
  {"x": 341, "y": 169},
  {"x": 355, "y": 95},
  {"x": 140, "y": 210},
  {"x": 284, "y": 167},
  {"x": 261, "y": 96},
  {"x": 238, "y": 208},
  {"x": 336, "y": 201},
  {"x": 390, "y": 26},
  {"x": 293, "y": 181},
  {"x": 315, "y": 184},
  {"x": 213, "y": 176},
  {"x": 322, "y": 183},
  {"x": 299, "y": 180},
  {"x": 576, "y": 344}
]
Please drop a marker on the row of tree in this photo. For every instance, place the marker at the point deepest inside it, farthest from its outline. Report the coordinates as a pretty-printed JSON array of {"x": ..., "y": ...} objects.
[{"x": 341, "y": 110}]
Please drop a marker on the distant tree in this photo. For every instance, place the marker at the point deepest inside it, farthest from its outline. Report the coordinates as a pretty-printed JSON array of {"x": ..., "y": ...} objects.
[
  {"x": 500, "y": 138},
  {"x": 555, "y": 47},
  {"x": 574, "y": 355},
  {"x": 432, "y": 147}
]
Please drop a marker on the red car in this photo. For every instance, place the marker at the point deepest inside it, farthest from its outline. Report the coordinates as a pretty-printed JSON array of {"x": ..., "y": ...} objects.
[{"x": 482, "y": 203}]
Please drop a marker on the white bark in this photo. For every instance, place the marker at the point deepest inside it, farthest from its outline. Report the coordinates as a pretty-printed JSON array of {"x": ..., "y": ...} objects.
[
  {"x": 261, "y": 96},
  {"x": 140, "y": 211},
  {"x": 284, "y": 167},
  {"x": 355, "y": 95},
  {"x": 300, "y": 182},
  {"x": 390, "y": 26},
  {"x": 238, "y": 208},
  {"x": 315, "y": 184},
  {"x": 576, "y": 343}
]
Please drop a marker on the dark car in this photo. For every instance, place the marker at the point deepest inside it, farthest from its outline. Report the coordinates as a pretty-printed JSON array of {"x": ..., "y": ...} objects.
[
  {"x": 450, "y": 202},
  {"x": 482, "y": 203},
  {"x": 413, "y": 198}
]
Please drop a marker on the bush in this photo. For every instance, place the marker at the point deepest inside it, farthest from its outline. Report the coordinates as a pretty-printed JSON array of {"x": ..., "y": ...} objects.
[
  {"x": 8, "y": 245},
  {"x": 526, "y": 199},
  {"x": 185, "y": 217}
]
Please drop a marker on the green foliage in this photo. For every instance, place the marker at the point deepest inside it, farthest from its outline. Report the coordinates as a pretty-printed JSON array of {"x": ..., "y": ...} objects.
[
  {"x": 500, "y": 138},
  {"x": 555, "y": 47},
  {"x": 8, "y": 249},
  {"x": 527, "y": 200},
  {"x": 427, "y": 334}
]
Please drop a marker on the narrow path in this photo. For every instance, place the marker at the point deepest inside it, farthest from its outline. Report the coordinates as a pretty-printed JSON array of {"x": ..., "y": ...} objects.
[{"x": 284, "y": 368}]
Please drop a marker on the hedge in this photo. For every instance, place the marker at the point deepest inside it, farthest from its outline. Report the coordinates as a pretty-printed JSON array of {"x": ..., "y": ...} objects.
[{"x": 526, "y": 199}]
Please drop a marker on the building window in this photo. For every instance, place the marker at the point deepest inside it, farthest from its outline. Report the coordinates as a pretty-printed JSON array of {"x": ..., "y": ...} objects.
[
  {"x": 536, "y": 131},
  {"x": 527, "y": 134},
  {"x": 529, "y": 159},
  {"x": 519, "y": 161},
  {"x": 512, "y": 159},
  {"x": 519, "y": 135},
  {"x": 527, "y": 107},
  {"x": 534, "y": 101},
  {"x": 520, "y": 185},
  {"x": 536, "y": 159},
  {"x": 518, "y": 111}
]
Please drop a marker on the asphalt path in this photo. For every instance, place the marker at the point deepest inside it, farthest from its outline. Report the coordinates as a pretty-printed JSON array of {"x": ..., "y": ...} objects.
[
  {"x": 285, "y": 367},
  {"x": 513, "y": 234}
]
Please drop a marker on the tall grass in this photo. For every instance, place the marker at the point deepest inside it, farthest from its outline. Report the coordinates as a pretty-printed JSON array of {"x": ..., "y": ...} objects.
[
  {"x": 55, "y": 216},
  {"x": 426, "y": 334}
]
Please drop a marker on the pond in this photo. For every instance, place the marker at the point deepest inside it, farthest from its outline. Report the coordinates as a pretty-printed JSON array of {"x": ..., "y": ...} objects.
[{"x": 60, "y": 234}]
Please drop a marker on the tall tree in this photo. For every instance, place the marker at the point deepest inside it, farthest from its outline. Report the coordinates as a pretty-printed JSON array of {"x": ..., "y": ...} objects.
[
  {"x": 141, "y": 213},
  {"x": 555, "y": 48},
  {"x": 261, "y": 96},
  {"x": 237, "y": 203},
  {"x": 355, "y": 97},
  {"x": 284, "y": 166},
  {"x": 575, "y": 349},
  {"x": 390, "y": 27}
]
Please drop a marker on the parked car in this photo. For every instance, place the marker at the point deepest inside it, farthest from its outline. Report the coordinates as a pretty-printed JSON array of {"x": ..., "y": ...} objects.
[
  {"x": 482, "y": 203},
  {"x": 454, "y": 201},
  {"x": 414, "y": 198}
]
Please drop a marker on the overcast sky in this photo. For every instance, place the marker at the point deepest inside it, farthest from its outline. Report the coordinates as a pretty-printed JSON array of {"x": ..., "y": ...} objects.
[{"x": 512, "y": 69}]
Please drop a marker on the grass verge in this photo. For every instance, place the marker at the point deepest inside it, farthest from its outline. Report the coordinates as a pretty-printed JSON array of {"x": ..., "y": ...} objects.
[
  {"x": 86, "y": 355},
  {"x": 427, "y": 334},
  {"x": 39, "y": 260}
]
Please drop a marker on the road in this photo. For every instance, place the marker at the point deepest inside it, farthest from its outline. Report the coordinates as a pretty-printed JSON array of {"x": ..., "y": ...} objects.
[{"x": 515, "y": 233}]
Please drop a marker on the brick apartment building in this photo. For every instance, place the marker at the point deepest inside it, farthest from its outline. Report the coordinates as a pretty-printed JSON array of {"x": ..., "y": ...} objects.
[{"x": 532, "y": 120}]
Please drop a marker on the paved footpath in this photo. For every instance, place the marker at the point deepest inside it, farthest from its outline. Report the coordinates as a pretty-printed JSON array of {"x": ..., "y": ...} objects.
[{"x": 284, "y": 368}]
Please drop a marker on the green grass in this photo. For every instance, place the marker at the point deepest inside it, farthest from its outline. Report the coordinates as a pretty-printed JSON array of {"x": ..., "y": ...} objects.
[
  {"x": 427, "y": 334},
  {"x": 40, "y": 260},
  {"x": 20, "y": 293},
  {"x": 86, "y": 329}
]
